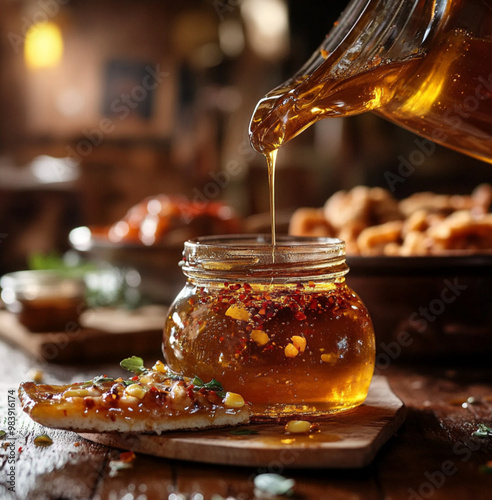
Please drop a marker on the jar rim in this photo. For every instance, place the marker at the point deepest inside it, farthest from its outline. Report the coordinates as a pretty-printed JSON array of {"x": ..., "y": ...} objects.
[
  {"x": 242, "y": 256},
  {"x": 264, "y": 242}
]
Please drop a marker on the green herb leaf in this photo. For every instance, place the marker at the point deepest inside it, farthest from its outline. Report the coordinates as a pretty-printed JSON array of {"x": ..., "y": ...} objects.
[
  {"x": 274, "y": 484},
  {"x": 482, "y": 431},
  {"x": 243, "y": 432},
  {"x": 216, "y": 386},
  {"x": 486, "y": 468},
  {"x": 117, "y": 465},
  {"x": 97, "y": 380},
  {"x": 213, "y": 385},
  {"x": 2, "y": 434},
  {"x": 55, "y": 262},
  {"x": 101, "y": 379},
  {"x": 133, "y": 364},
  {"x": 43, "y": 440}
]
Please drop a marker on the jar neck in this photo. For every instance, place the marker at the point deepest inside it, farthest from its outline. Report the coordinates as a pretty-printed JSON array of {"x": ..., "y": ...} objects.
[
  {"x": 377, "y": 30},
  {"x": 252, "y": 259}
]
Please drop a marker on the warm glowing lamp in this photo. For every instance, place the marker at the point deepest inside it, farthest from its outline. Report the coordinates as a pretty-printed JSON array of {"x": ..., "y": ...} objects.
[{"x": 44, "y": 45}]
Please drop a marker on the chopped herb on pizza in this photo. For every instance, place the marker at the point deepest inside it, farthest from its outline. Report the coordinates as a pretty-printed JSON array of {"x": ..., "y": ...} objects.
[{"x": 154, "y": 400}]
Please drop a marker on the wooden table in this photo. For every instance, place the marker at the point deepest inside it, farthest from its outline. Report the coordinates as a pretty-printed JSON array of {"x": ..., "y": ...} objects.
[{"x": 433, "y": 455}]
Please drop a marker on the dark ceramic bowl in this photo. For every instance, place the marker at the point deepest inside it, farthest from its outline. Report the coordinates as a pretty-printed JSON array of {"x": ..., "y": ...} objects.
[{"x": 427, "y": 307}]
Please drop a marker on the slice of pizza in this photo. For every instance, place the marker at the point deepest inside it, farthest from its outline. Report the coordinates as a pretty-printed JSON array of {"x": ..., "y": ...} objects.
[{"x": 153, "y": 400}]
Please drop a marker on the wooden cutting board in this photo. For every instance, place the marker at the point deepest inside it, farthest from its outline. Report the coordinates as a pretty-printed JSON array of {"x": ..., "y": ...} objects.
[
  {"x": 348, "y": 440},
  {"x": 106, "y": 334}
]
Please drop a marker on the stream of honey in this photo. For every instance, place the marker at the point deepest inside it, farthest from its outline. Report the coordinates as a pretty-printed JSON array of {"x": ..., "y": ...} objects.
[{"x": 271, "y": 158}]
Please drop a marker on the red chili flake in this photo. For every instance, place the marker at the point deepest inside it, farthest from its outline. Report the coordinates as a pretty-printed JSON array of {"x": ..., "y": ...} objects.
[
  {"x": 300, "y": 316},
  {"x": 297, "y": 298},
  {"x": 226, "y": 283},
  {"x": 247, "y": 287},
  {"x": 221, "y": 339},
  {"x": 153, "y": 389},
  {"x": 242, "y": 296},
  {"x": 127, "y": 456},
  {"x": 77, "y": 443},
  {"x": 300, "y": 286},
  {"x": 269, "y": 315},
  {"x": 202, "y": 289},
  {"x": 313, "y": 304},
  {"x": 311, "y": 284},
  {"x": 232, "y": 301},
  {"x": 20, "y": 449},
  {"x": 189, "y": 391},
  {"x": 135, "y": 377},
  {"x": 235, "y": 287},
  {"x": 249, "y": 328},
  {"x": 191, "y": 301},
  {"x": 262, "y": 311}
]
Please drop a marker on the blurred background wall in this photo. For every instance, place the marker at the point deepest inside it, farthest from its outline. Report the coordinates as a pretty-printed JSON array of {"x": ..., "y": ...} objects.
[{"x": 148, "y": 97}]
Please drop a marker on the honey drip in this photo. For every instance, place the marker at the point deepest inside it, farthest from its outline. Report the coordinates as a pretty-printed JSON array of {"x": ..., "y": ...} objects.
[{"x": 271, "y": 158}]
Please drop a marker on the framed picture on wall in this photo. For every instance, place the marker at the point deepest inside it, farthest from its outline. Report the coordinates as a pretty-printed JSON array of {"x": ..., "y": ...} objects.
[{"x": 126, "y": 92}]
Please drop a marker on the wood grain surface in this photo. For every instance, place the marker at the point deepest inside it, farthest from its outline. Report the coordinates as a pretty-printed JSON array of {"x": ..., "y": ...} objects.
[
  {"x": 436, "y": 436},
  {"x": 346, "y": 440}
]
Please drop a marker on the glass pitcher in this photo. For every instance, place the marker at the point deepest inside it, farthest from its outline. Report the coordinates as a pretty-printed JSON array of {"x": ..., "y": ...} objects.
[{"x": 423, "y": 64}]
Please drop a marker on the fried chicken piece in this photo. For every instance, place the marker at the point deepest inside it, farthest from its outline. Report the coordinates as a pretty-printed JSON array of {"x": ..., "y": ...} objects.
[
  {"x": 462, "y": 230},
  {"x": 373, "y": 240},
  {"x": 310, "y": 222},
  {"x": 361, "y": 207}
]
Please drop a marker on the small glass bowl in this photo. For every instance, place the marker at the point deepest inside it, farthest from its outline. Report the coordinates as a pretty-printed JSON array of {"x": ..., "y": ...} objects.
[{"x": 44, "y": 300}]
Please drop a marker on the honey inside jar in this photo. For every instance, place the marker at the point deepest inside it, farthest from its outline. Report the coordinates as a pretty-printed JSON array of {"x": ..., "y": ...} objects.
[{"x": 288, "y": 334}]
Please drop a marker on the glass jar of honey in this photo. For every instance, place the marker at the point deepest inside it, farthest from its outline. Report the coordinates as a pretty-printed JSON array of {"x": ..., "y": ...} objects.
[{"x": 277, "y": 324}]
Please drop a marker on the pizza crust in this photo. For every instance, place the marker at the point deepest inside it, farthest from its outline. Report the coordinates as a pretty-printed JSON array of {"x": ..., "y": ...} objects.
[{"x": 164, "y": 404}]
